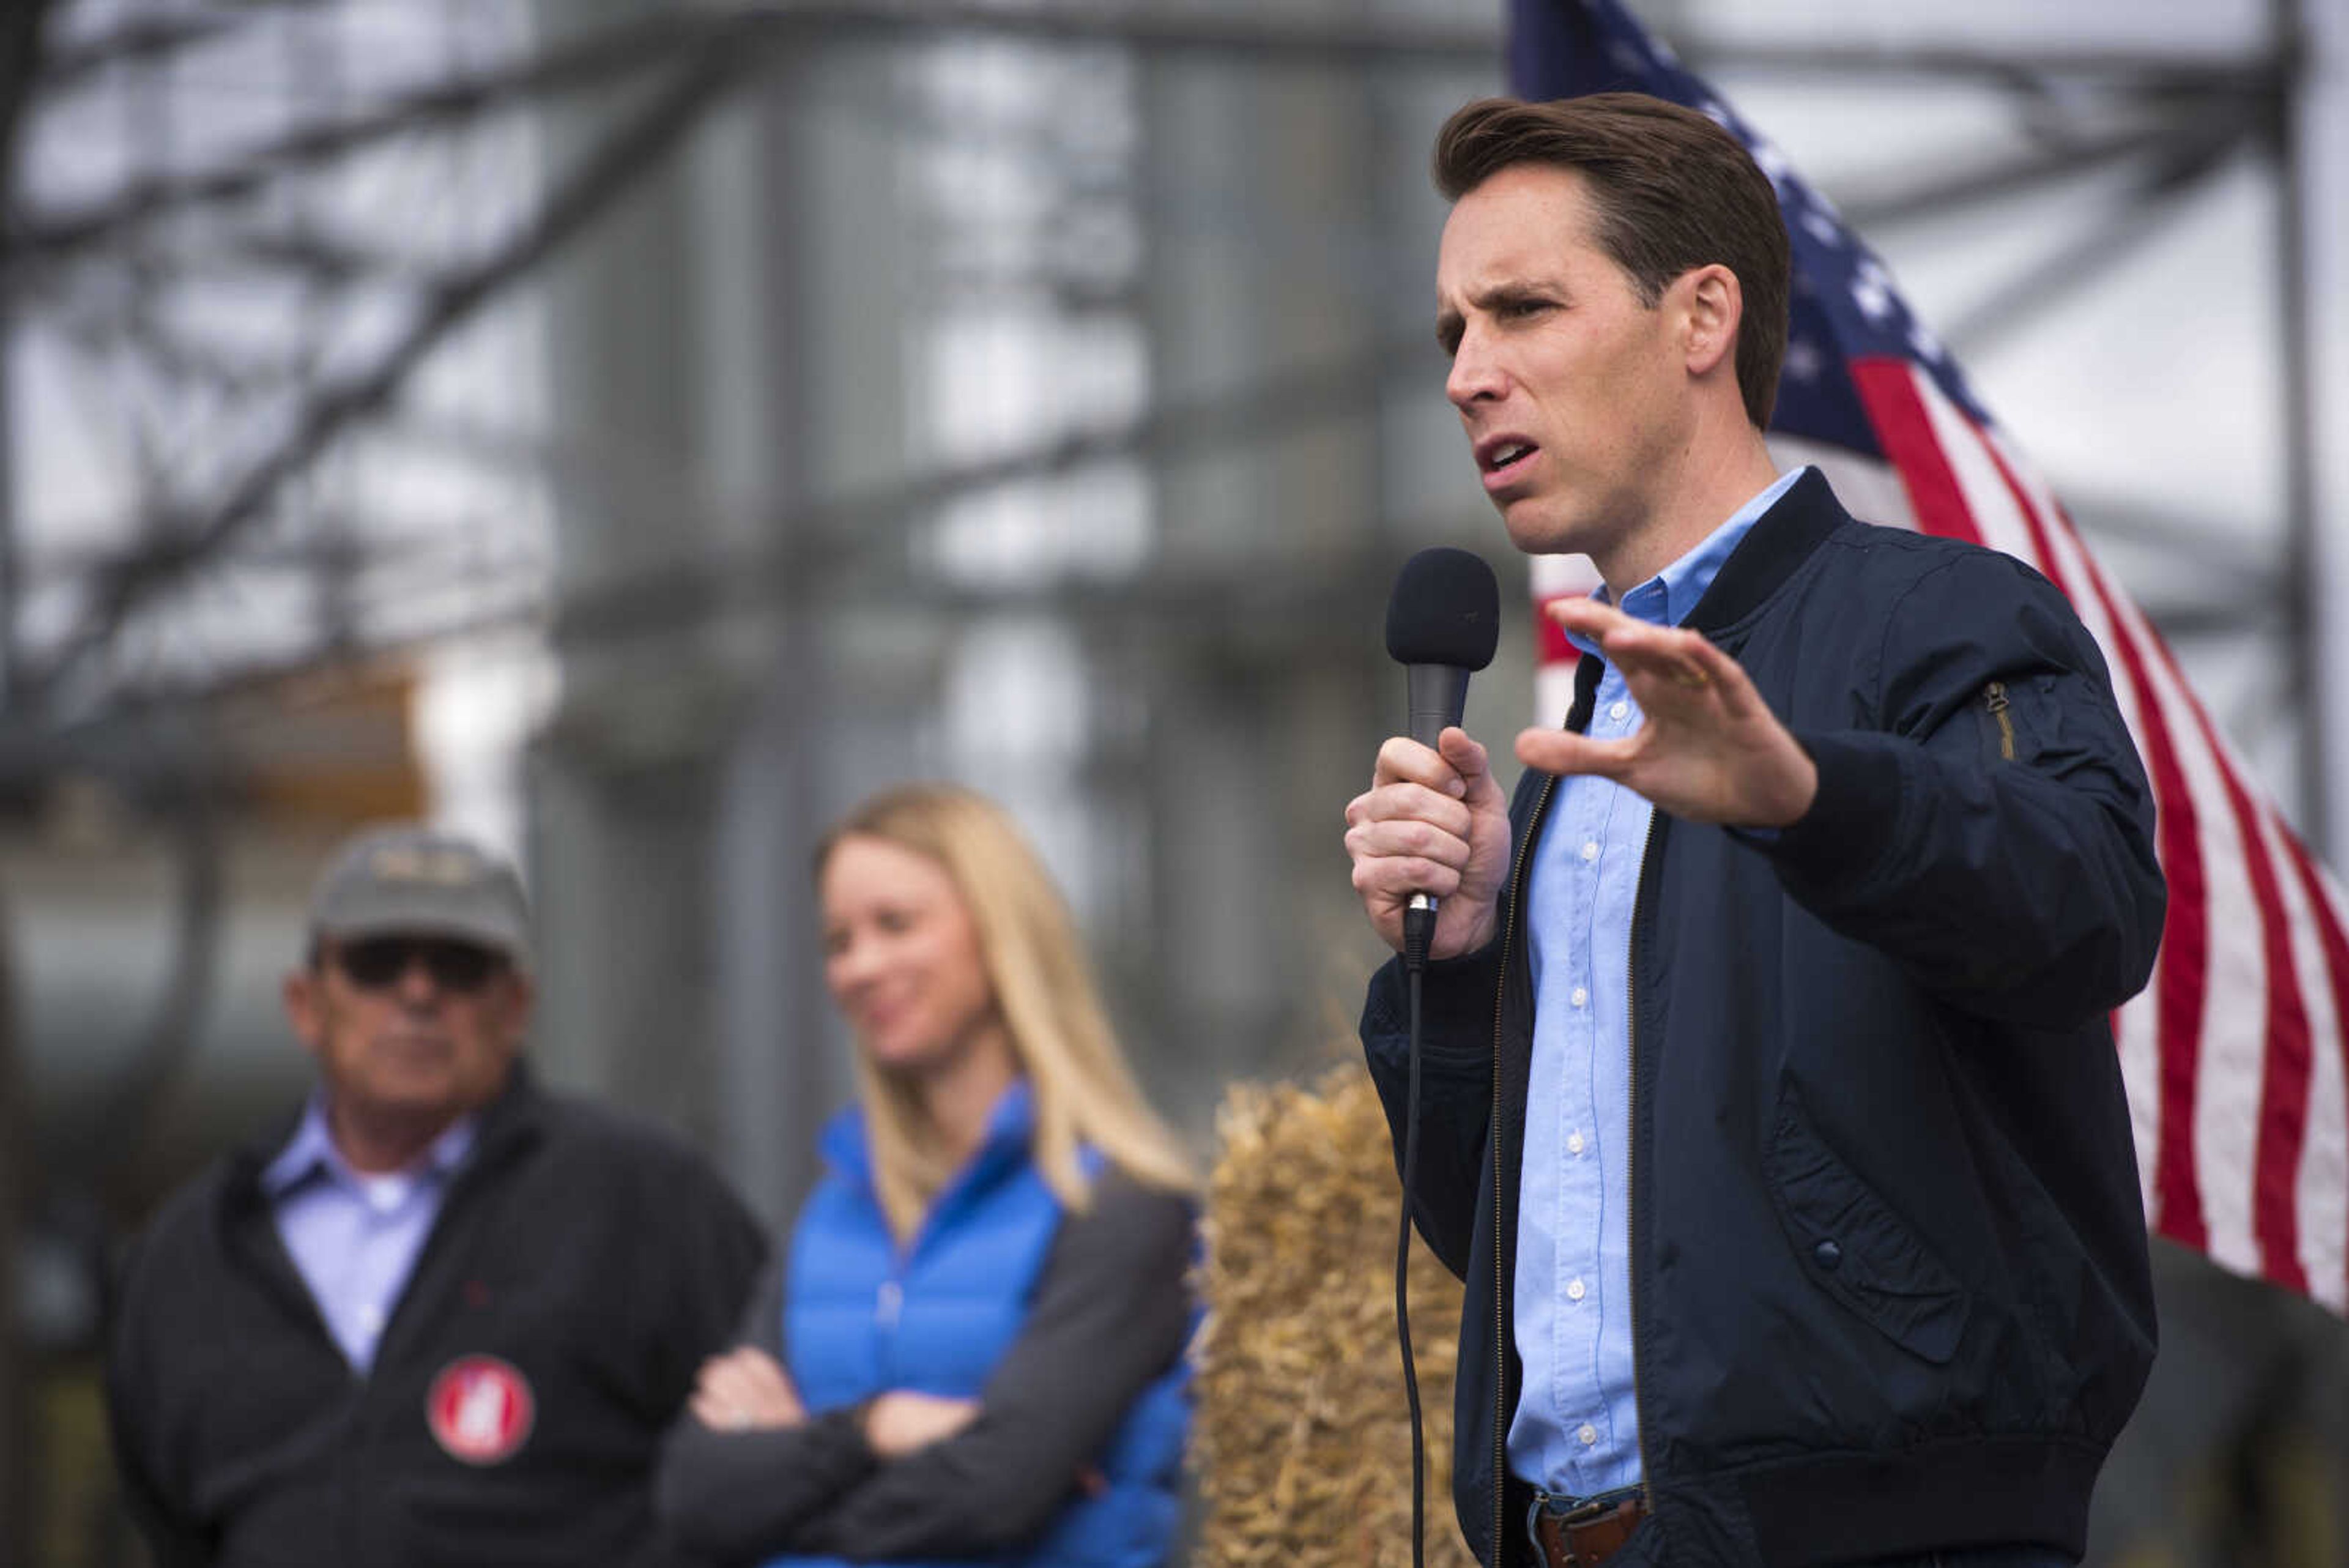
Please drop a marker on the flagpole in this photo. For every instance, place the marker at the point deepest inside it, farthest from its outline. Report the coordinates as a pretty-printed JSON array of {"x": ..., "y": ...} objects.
[{"x": 2304, "y": 587}]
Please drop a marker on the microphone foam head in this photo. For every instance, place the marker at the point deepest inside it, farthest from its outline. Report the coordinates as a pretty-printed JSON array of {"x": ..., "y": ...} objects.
[{"x": 1445, "y": 609}]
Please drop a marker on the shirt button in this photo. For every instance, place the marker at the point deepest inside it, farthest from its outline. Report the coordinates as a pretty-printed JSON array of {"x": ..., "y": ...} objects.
[
  {"x": 1574, "y": 1291},
  {"x": 1580, "y": 997},
  {"x": 1586, "y": 1435},
  {"x": 1617, "y": 711},
  {"x": 1574, "y": 1143},
  {"x": 1591, "y": 850},
  {"x": 370, "y": 1318}
]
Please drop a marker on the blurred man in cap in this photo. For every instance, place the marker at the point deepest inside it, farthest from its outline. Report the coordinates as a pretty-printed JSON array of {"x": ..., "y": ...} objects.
[{"x": 444, "y": 1315}]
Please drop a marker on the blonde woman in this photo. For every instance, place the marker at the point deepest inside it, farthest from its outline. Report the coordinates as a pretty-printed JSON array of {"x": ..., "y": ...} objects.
[{"x": 970, "y": 1347}]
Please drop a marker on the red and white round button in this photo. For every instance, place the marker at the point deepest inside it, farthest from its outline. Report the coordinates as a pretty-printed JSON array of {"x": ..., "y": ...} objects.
[{"x": 480, "y": 1409}]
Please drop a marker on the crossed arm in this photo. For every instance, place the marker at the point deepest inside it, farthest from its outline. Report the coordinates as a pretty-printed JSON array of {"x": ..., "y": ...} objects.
[{"x": 911, "y": 1475}]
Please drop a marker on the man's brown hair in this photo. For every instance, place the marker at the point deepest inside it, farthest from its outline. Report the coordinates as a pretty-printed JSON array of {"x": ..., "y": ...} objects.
[{"x": 1672, "y": 192}]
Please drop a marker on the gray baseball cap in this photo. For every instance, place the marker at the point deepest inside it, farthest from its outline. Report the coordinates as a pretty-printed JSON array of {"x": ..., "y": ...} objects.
[{"x": 410, "y": 880}]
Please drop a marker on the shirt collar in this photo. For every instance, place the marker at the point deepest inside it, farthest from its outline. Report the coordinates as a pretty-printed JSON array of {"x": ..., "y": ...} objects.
[
  {"x": 1668, "y": 598},
  {"x": 311, "y": 1153}
]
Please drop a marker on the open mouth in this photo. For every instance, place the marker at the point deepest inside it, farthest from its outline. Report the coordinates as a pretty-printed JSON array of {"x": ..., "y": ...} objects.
[{"x": 1505, "y": 461}]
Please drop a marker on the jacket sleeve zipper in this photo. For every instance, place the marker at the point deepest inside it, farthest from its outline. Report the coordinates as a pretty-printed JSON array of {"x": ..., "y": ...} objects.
[
  {"x": 1501, "y": 1285},
  {"x": 1995, "y": 699}
]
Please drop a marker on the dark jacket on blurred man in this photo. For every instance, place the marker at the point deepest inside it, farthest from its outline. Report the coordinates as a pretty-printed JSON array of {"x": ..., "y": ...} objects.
[{"x": 443, "y": 1316}]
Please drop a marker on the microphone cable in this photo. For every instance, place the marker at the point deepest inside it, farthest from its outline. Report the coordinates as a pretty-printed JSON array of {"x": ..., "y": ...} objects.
[{"x": 1418, "y": 932}]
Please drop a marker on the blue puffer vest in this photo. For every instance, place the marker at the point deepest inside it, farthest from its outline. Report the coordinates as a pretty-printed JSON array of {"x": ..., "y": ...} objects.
[{"x": 860, "y": 1318}]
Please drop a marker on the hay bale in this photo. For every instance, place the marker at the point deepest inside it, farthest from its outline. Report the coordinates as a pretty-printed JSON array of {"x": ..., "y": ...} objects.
[{"x": 1302, "y": 1444}]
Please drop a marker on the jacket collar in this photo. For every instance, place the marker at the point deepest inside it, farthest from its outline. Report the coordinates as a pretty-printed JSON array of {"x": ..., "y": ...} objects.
[
  {"x": 505, "y": 1127},
  {"x": 1010, "y": 1127},
  {"x": 1780, "y": 541}
]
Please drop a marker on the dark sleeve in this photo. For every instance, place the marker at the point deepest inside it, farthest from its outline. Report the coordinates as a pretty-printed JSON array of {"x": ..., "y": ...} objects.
[
  {"x": 1994, "y": 836},
  {"x": 1456, "y": 1086},
  {"x": 1110, "y": 1316},
  {"x": 1458, "y": 997},
  {"x": 173, "y": 1538},
  {"x": 701, "y": 1253},
  {"x": 728, "y": 1497}
]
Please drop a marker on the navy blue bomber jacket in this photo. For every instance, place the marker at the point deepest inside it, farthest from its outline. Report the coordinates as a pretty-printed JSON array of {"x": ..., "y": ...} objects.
[{"x": 1889, "y": 1282}]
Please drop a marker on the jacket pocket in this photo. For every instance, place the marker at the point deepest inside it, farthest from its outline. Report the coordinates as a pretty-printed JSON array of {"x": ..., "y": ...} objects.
[{"x": 1855, "y": 1247}]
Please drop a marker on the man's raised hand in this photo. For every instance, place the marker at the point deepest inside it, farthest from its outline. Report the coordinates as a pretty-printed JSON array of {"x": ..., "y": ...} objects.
[{"x": 1710, "y": 750}]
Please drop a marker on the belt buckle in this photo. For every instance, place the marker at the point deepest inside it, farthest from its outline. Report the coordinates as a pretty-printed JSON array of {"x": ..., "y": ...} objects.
[{"x": 1564, "y": 1519}]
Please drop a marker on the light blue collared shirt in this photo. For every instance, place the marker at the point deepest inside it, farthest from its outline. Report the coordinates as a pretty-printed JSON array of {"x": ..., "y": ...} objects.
[
  {"x": 1577, "y": 1429},
  {"x": 355, "y": 1237}
]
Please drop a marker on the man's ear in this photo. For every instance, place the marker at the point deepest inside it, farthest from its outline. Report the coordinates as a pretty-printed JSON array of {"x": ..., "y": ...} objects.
[
  {"x": 305, "y": 1008},
  {"x": 521, "y": 998},
  {"x": 1714, "y": 304}
]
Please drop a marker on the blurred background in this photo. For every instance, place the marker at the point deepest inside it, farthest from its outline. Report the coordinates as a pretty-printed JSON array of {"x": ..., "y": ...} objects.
[{"x": 633, "y": 430}]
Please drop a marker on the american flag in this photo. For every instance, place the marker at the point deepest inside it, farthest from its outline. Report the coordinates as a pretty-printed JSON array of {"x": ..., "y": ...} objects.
[{"x": 2233, "y": 1055}]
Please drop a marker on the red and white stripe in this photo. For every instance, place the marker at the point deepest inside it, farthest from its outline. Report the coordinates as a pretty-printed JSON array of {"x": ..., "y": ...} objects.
[{"x": 2233, "y": 1056}]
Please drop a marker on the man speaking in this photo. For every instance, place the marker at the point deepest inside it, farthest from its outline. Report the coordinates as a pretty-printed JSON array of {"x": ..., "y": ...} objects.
[{"x": 1769, "y": 1110}]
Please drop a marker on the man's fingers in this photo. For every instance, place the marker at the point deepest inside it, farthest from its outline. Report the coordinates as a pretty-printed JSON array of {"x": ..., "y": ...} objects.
[
  {"x": 1467, "y": 758},
  {"x": 1564, "y": 752},
  {"x": 1585, "y": 615},
  {"x": 1387, "y": 836},
  {"x": 1636, "y": 649},
  {"x": 1402, "y": 759},
  {"x": 1399, "y": 876},
  {"x": 1408, "y": 803},
  {"x": 1680, "y": 657},
  {"x": 1738, "y": 697}
]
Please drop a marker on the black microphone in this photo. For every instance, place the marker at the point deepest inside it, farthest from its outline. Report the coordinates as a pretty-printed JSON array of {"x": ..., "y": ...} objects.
[{"x": 1444, "y": 622}]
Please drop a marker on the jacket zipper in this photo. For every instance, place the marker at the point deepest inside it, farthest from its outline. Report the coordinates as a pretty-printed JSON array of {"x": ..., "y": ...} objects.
[
  {"x": 1632, "y": 1133},
  {"x": 1995, "y": 699},
  {"x": 1501, "y": 1285}
]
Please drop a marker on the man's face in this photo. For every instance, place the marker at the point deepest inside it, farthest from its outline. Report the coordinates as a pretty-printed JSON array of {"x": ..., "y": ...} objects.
[
  {"x": 417, "y": 1028},
  {"x": 1573, "y": 393}
]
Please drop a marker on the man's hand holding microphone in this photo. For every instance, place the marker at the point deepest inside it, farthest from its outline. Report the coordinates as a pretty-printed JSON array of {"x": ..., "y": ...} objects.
[{"x": 1435, "y": 824}]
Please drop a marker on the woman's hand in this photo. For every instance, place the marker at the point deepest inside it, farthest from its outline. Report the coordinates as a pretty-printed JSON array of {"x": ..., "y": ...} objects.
[
  {"x": 901, "y": 1421},
  {"x": 745, "y": 1390}
]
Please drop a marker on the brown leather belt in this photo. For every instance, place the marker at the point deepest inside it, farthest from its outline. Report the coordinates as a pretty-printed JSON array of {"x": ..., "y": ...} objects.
[{"x": 1587, "y": 1536}]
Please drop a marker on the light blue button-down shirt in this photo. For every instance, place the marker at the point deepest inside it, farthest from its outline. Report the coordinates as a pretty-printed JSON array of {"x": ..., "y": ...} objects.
[
  {"x": 1577, "y": 1429},
  {"x": 355, "y": 1237}
]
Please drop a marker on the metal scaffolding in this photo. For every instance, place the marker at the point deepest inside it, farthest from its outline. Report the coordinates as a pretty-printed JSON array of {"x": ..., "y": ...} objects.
[{"x": 836, "y": 391}]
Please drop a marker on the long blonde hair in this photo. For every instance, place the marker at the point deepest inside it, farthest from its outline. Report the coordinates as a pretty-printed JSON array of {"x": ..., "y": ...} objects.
[{"x": 1084, "y": 1093}]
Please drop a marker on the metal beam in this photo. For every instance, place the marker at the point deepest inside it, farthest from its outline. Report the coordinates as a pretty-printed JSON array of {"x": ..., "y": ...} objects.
[
  {"x": 1262, "y": 40},
  {"x": 627, "y": 50},
  {"x": 2096, "y": 250},
  {"x": 2003, "y": 178},
  {"x": 614, "y": 166},
  {"x": 608, "y": 55}
]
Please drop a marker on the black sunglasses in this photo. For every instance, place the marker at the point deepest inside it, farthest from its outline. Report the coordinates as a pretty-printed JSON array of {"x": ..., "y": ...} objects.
[{"x": 376, "y": 963}]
